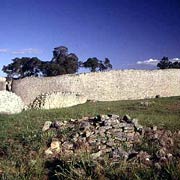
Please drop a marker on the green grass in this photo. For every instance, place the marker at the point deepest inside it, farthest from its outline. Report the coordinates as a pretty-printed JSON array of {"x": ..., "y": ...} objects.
[{"x": 21, "y": 136}]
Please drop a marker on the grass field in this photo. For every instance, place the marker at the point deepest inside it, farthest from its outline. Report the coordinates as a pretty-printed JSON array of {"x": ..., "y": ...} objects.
[{"x": 22, "y": 142}]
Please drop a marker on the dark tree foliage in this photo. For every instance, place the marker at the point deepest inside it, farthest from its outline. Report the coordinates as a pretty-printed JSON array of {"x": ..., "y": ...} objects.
[
  {"x": 165, "y": 63},
  {"x": 23, "y": 67},
  {"x": 58, "y": 52},
  {"x": 61, "y": 63},
  {"x": 95, "y": 64},
  {"x": 92, "y": 63},
  {"x": 176, "y": 65}
]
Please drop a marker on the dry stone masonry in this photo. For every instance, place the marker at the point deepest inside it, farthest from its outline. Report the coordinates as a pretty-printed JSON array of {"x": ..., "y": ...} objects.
[
  {"x": 112, "y": 137},
  {"x": 57, "y": 100},
  {"x": 104, "y": 86},
  {"x": 99, "y": 136},
  {"x": 70, "y": 90}
]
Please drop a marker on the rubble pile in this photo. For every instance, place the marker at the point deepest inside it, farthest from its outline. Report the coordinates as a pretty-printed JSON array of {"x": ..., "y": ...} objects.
[
  {"x": 113, "y": 137},
  {"x": 104, "y": 134}
]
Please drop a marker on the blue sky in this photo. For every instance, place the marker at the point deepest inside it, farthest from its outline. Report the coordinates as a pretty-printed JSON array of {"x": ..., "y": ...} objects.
[{"x": 131, "y": 33}]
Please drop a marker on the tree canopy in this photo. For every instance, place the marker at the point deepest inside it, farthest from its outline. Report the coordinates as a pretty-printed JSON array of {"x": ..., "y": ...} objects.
[
  {"x": 62, "y": 62},
  {"x": 95, "y": 64},
  {"x": 165, "y": 63},
  {"x": 23, "y": 67}
]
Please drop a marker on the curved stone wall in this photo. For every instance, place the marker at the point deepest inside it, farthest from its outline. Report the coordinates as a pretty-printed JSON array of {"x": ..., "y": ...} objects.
[
  {"x": 104, "y": 86},
  {"x": 57, "y": 100}
]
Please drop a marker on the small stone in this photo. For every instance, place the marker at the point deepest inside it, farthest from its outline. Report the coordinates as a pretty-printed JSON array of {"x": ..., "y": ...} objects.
[
  {"x": 129, "y": 128},
  {"x": 104, "y": 116},
  {"x": 88, "y": 133},
  {"x": 169, "y": 156},
  {"x": 135, "y": 122},
  {"x": 67, "y": 145},
  {"x": 55, "y": 145},
  {"x": 139, "y": 128},
  {"x": 57, "y": 124},
  {"x": 143, "y": 157},
  {"x": 48, "y": 152},
  {"x": 128, "y": 131},
  {"x": 113, "y": 155},
  {"x": 155, "y": 136},
  {"x": 84, "y": 125},
  {"x": 116, "y": 130},
  {"x": 46, "y": 126},
  {"x": 123, "y": 154},
  {"x": 107, "y": 150},
  {"x": 101, "y": 133},
  {"x": 120, "y": 139},
  {"x": 161, "y": 153},
  {"x": 110, "y": 144},
  {"x": 72, "y": 120},
  {"x": 154, "y": 128},
  {"x": 115, "y": 126},
  {"x": 158, "y": 166},
  {"x": 75, "y": 139},
  {"x": 85, "y": 118},
  {"x": 130, "y": 136},
  {"x": 122, "y": 125},
  {"x": 102, "y": 129},
  {"x": 127, "y": 118},
  {"x": 92, "y": 141},
  {"x": 107, "y": 127},
  {"x": 103, "y": 141},
  {"x": 103, "y": 147},
  {"x": 96, "y": 155},
  {"x": 113, "y": 116}
]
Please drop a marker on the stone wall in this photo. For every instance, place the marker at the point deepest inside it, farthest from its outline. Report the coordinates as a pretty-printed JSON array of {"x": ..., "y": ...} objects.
[
  {"x": 104, "y": 86},
  {"x": 57, "y": 100},
  {"x": 2, "y": 83}
]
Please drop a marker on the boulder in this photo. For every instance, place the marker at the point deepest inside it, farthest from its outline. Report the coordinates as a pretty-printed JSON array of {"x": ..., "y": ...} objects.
[{"x": 10, "y": 103}]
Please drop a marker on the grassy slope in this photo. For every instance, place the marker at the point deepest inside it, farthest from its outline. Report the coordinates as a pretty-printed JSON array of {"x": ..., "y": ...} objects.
[
  {"x": 162, "y": 112},
  {"x": 24, "y": 129}
]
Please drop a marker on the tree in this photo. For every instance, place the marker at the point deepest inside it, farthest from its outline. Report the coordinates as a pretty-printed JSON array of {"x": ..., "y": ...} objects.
[
  {"x": 23, "y": 67},
  {"x": 176, "y": 65},
  {"x": 67, "y": 63},
  {"x": 164, "y": 63},
  {"x": 61, "y": 63},
  {"x": 59, "y": 52},
  {"x": 92, "y": 63},
  {"x": 106, "y": 65},
  {"x": 97, "y": 65}
]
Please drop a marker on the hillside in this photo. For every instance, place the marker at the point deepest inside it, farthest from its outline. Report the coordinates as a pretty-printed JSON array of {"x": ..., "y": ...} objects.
[{"x": 23, "y": 143}]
